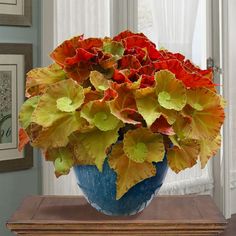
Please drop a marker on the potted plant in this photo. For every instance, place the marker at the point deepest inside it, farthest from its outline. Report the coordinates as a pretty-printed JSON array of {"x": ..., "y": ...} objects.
[{"x": 120, "y": 112}]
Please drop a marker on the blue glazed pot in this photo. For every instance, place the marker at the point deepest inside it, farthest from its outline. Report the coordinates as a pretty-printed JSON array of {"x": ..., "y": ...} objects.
[{"x": 100, "y": 189}]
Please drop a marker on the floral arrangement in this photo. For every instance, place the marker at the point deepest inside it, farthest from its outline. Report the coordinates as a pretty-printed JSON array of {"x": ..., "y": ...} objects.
[{"x": 123, "y": 100}]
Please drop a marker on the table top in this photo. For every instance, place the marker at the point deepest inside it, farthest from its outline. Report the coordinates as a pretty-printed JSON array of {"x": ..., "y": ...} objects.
[{"x": 67, "y": 215}]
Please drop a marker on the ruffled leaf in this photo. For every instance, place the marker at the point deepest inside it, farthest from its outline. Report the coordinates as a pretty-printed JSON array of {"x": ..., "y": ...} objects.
[
  {"x": 206, "y": 112},
  {"x": 184, "y": 155},
  {"x": 208, "y": 149},
  {"x": 129, "y": 173},
  {"x": 142, "y": 145},
  {"x": 39, "y": 79},
  {"x": 98, "y": 80},
  {"x": 26, "y": 111},
  {"x": 66, "y": 49},
  {"x": 171, "y": 92},
  {"x": 125, "y": 34},
  {"x": 190, "y": 80},
  {"x": 63, "y": 160},
  {"x": 98, "y": 113},
  {"x": 81, "y": 55},
  {"x": 60, "y": 99},
  {"x": 89, "y": 149}
]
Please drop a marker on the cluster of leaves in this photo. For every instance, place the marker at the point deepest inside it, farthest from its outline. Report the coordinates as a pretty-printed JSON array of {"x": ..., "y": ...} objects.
[{"x": 101, "y": 90}]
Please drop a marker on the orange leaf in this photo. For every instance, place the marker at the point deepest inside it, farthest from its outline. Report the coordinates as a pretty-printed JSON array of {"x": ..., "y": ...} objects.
[{"x": 23, "y": 139}]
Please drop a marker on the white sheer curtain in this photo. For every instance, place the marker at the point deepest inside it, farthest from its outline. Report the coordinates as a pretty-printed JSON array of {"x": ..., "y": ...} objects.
[
  {"x": 179, "y": 27},
  {"x": 74, "y": 17},
  {"x": 174, "y": 24}
]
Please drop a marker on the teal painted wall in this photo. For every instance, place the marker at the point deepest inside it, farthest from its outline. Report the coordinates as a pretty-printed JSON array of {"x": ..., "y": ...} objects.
[{"x": 14, "y": 186}]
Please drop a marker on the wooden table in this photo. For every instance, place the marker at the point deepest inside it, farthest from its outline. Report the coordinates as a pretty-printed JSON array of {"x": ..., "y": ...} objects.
[{"x": 166, "y": 215}]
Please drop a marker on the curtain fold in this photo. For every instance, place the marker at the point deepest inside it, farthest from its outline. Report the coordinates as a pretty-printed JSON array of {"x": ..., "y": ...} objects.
[
  {"x": 174, "y": 23},
  {"x": 74, "y": 17}
]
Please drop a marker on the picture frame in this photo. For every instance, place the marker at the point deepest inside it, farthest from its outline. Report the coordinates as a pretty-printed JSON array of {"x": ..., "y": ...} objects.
[
  {"x": 16, "y": 12},
  {"x": 15, "y": 62}
]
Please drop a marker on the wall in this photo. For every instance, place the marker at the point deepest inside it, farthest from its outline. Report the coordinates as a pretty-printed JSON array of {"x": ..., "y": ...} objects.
[{"x": 14, "y": 186}]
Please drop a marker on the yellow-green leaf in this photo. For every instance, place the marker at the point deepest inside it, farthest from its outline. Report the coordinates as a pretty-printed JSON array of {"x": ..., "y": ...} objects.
[
  {"x": 26, "y": 111},
  {"x": 113, "y": 47},
  {"x": 148, "y": 105},
  {"x": 62, "y": 158},
  {"x": 98, "y": 113},
  {"x": 99, "y": 81},
  {"x": 59, "y": 100},
  {"x": 171, "y": 93},
  {"x": 129, "y": 173},
  {"x": 142, "y": 145}
]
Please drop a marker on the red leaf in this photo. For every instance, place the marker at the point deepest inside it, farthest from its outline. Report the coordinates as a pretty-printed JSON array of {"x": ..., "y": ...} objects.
[
  {"x": 146, "y": 70},
  {"x": 90, "y": 43},
  {"x": 126, "y": 34},
  {"x": 161, "y": 126},
  {"x": 110, "y": 94},
  {"x": 147, "y": 81},
  {"x": 191, "y": 80},
  {"x": 66, "y": 49},
  {"x": 81, "y": 55},
  {"x": 129, "y": 62}
]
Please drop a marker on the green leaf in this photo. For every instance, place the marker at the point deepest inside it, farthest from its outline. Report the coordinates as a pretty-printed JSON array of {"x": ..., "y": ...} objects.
[
  {"x": 142, "y": 145},
  {"x": 129, "y": 173},
  {"x": 113, "y": 47},
  {"x": 26, "y": 111},
  {"x": 171, "y": 92},
  {"x": 60, "y": 99},
  {"x": 62, "y": 158},
  {"x": 98, "y": 80},
  {"x": 90, "y": 148},
  {"x": 39, "y": 79},
  {"x": 98, "y": 113}
]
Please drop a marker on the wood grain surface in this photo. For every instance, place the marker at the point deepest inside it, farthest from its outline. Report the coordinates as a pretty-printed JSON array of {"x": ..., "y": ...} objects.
[{"x": 166, "y": 215}]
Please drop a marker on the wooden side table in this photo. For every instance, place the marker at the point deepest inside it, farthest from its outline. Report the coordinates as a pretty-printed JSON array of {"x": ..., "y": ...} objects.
[{"x": 72, "y": 216}]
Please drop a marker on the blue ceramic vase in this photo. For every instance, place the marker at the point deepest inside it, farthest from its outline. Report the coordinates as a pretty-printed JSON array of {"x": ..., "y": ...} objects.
[{"x": 99, "y": 189}]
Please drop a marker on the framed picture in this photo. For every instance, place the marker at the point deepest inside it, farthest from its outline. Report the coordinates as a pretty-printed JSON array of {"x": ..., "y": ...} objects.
[
  {"x": 16, "y": 12},
  {"x": 15, "y": 62}
]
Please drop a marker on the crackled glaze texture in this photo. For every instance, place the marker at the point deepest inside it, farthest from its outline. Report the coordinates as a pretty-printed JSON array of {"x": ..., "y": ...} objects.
[{"x": 100, "y": 189}]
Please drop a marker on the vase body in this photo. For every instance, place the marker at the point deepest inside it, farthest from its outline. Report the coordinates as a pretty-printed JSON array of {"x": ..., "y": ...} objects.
[{"x": 99, "y": 189}]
